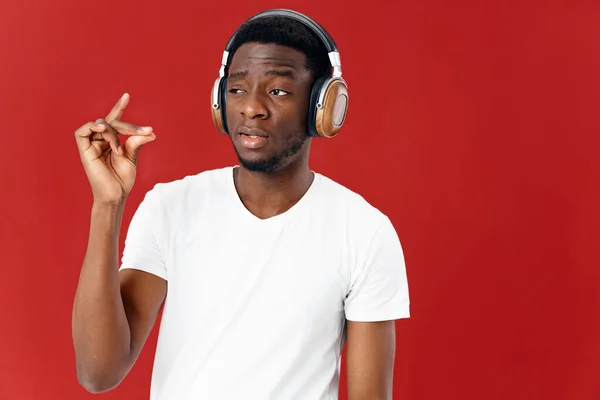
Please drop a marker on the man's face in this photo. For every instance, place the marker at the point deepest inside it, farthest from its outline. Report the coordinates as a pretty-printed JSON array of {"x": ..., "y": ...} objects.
[{"x": 268, "y": 94}]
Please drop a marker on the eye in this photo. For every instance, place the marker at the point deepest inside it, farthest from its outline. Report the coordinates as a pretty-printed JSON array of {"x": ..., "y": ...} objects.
[
  {"x": 279, "y": 92},
  {"x": 235, "y": 91}
]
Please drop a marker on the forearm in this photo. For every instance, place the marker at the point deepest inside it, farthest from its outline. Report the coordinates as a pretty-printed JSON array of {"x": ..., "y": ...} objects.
[
  {"x": 101, "y": 334},
  {"x": 359, "y": 389},
  {"x": 370, "y": 357}
]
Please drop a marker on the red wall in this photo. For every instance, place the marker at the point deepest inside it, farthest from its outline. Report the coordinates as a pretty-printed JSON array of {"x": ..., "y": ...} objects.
[{"x": 474, "y": 126}]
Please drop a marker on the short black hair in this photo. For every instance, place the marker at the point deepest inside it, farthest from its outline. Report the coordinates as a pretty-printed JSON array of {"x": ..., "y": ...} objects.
[{"x": 288, "y": 32}]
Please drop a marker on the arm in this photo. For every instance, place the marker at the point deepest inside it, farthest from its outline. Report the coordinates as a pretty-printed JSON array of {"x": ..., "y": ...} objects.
[
  {"x": 114, "y": 311},
  {"x": 370, "y": 354},
  {"x": 377, "y": 297}
]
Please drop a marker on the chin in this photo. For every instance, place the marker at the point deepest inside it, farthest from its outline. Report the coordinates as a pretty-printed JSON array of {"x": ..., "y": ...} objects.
[
  {"x": 263, "y": 165},
  {"x": 265, "y": 159},
  {"x": 256, "y": 162}
]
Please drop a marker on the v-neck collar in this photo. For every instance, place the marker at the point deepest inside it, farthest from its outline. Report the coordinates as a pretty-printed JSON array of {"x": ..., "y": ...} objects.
[{"x": 296, "y": 208}]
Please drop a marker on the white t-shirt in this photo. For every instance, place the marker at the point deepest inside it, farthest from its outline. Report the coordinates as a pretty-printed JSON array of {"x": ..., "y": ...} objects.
[{"x": 256, "y": 309}]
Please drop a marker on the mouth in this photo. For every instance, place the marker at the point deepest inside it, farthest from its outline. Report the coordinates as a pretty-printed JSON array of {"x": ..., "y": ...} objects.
[
  {"x": 252, "y": 132},
  {"x": 252, "y": 138}
]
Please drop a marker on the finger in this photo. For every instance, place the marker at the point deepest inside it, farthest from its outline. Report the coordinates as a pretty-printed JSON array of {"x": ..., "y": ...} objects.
[
  {"x": 84, "y": 133},
  {"x": 97, "y": 135},
  {"x": 86, "y": 130},
  {"x": 117, "y": 110},
  {"x": 134, "y": 144},
  {"x": 109, "y": 135},
  {"x": 126, "y": 128}
]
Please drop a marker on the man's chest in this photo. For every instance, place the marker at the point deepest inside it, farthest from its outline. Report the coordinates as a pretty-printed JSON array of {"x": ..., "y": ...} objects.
[{"x": 268, "y": 276}]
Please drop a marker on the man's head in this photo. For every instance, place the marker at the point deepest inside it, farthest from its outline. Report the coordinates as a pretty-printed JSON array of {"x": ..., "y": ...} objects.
[{"x": 275, "y": 61}]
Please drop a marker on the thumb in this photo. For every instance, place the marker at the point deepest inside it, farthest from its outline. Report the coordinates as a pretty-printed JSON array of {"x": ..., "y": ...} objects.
[{"x": 134, "y": 144}]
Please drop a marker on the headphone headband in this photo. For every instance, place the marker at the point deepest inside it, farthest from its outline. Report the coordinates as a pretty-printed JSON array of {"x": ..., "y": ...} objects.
[
  {"x": 326, "y": 39},
  {"x": 310, "y": 24}
]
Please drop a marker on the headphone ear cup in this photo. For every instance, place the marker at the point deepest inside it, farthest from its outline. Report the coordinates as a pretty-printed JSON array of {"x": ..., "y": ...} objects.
[
  {"x": 218, "y": 103},
  {"x": 329, "y": 105}
]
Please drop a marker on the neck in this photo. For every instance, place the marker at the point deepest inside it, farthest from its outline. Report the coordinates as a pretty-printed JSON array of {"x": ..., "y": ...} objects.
[{"x": 267, "y": 195}]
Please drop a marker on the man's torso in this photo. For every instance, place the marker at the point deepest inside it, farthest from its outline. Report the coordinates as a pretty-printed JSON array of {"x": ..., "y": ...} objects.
[{"x": 255, "y": 308}]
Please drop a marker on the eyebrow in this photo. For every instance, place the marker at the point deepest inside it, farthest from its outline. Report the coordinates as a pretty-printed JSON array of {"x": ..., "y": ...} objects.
[
  {"x": 273, "y": 72},
  {"x": 288, "y": 73},
  {"x": 239, "y": 74}
]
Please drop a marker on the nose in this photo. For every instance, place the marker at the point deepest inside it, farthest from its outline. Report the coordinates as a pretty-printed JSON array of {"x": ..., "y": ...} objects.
[{"x": 254, "y": 105}]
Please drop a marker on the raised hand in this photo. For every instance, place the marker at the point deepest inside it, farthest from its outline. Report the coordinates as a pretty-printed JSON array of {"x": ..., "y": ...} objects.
[{"x": 111, "y": 167}]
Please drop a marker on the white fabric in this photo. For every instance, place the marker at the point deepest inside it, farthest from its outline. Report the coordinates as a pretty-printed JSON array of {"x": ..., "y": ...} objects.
[{"x": 256, "y": 308}]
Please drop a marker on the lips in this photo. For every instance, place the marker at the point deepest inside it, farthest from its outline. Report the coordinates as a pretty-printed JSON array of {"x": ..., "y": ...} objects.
[
  {"x": 252, "y": 132},
  {"x": 252, "y": 138}
]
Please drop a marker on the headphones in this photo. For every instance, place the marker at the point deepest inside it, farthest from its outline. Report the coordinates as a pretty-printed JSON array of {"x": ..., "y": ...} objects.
[{"x": 329, "y": 94}]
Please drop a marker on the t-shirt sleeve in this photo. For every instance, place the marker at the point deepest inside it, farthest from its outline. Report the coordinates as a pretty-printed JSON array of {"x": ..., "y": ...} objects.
[
  {"x": 380, "y": 288},
  {"x": 143, "y": 248}
]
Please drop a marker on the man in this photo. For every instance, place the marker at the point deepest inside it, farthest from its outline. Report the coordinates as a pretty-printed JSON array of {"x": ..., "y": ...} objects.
[{"x": 265, "y": 270}]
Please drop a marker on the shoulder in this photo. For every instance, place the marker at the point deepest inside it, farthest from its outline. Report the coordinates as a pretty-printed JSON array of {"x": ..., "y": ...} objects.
[
  {"x": 191, "y": 187},
  {"x": 349, "y": 207}
]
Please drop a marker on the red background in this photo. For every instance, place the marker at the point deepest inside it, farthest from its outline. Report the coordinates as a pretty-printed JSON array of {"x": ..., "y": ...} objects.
[{"x": 473, "y": 125}]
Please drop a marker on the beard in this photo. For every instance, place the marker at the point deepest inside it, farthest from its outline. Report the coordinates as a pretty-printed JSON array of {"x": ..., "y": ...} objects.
[{"x": 274, "y": 162}]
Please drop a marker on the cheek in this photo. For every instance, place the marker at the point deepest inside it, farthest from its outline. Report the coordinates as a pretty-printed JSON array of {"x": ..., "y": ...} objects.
[
  {"x": 295, "y": 111},
  {"x": 292, "y": 125},
  {"x": 230, "y": 110}
]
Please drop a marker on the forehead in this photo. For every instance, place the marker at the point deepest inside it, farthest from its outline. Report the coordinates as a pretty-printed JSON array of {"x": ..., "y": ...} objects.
[{"x": 252, "y": 55}]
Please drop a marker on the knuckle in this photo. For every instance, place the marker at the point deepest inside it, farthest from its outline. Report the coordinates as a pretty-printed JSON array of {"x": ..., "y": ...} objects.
[{"x": 83, "y": 128}]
